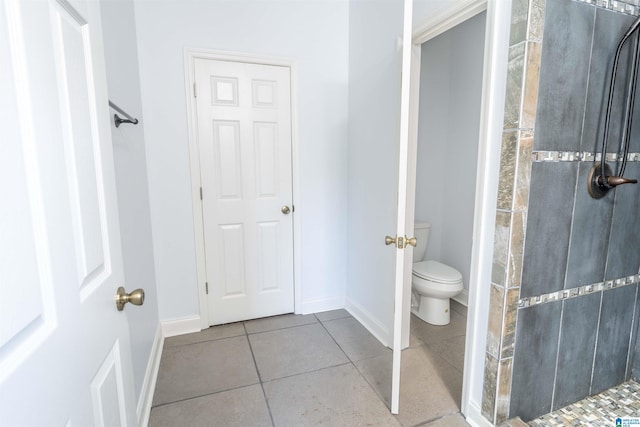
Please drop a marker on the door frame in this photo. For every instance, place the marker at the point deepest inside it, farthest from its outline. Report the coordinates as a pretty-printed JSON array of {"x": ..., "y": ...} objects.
[
  {"x": 490, "y": 137},
  {"x": 190, "y": 55}
]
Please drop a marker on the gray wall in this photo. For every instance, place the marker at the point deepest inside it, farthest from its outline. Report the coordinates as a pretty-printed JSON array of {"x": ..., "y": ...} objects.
[
  {"x": 580, "y": 346},
  {"x": 448, "y": 133},
  {"x": 119, "y": 33},
  {"x": 312, "y": 33}
]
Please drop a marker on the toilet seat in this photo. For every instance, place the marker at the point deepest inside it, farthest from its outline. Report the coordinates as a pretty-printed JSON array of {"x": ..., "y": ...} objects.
[{"x": 436, "y": 272}]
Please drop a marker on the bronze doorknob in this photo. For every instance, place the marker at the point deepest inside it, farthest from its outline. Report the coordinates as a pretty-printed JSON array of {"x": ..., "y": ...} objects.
[{"x": 135, "y": 297}]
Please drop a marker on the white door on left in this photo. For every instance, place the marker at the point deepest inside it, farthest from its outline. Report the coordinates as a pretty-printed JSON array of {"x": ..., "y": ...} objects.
[{"x": 64, "y": 348}]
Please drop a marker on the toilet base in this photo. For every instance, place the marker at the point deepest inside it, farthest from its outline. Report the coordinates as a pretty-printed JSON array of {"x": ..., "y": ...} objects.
[{"x": 435, "y": 311}]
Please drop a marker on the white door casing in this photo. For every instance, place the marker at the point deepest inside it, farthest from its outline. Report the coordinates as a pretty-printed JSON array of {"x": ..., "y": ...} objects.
[
  {"x": 243, "y": 115},
  {"x": 64, "y": 348}
]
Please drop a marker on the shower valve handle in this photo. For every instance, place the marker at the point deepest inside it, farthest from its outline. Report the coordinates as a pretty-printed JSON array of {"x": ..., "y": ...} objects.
[{"x": 614, "y": 181}]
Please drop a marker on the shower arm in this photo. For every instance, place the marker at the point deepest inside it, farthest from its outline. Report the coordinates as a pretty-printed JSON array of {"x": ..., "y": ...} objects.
[{"x": 600, "y": 184}]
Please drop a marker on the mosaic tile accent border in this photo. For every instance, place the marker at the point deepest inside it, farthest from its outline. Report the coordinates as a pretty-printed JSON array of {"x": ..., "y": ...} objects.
[
  {"x": 578, "y": 291},
  {"x": 630, "y": 7},
  {"x": 577, "y": 156},
  {"x": 622, "y": 401}
]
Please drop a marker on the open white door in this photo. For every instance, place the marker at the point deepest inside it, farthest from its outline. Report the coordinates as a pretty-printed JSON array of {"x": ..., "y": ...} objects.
[
  {"x": 402, "y": 239},
  {"x": 64, "y": 347}
]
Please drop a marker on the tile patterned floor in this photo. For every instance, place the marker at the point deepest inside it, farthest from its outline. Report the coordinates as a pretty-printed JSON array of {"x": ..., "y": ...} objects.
[
  {"x": 597, "y": 411},
  {"x": 322, "y": 369}
]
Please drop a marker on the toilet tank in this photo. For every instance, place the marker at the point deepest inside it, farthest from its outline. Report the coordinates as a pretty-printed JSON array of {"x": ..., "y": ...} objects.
[{"x": 421, "y": 233}]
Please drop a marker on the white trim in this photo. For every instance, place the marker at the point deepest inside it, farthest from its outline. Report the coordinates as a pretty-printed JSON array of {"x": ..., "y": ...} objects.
[
  {"x": 318, "y": 305},
  {"x": 462, "y": 297},
  {"x": 185, "y": 325},
  {"x": 151, "y": 375},
  {"x": 453, "y": 15},
  {"x": 365, "y": 318},
  {"x": 474, "y": 417},
  {"x": 190, "y": 54},
  {"x": 491, "y": 117}
]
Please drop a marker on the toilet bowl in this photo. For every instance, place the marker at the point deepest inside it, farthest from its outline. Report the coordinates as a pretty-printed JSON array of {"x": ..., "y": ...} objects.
[{"x": 433, "y": 284}]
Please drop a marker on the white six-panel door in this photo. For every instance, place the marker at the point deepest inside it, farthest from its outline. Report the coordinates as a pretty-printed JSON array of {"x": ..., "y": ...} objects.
[
  {"x": 64, "y": 348},
  {"x": 244, "y": 139}
]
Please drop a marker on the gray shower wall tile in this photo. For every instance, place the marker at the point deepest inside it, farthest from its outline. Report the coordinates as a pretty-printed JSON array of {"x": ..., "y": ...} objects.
[
  {"x": 577, "y": 347},
  {"x": 634, "y": 144},
  {"x": 515, "y": 79},
  {"x": 503, "y": 394},
  {"x": 614, "y": 332},
  {"x": 496, "y": 316},
  {"x": 501, "y": 248},
  {"x": 633, "y": 350},
  {"x": 523, "y": 171},
  {"x": 489, "y": 386},
  {"x": 590, "y": 235},
  {"x": 535, "y": 360},
  {"x": 635, "y": 370},
  {"x": 515, "y": 170},
  {"x": 509, "y": 323},
  {"x": 536, "y": 19},
  {"x": 508, "y": 162},
  {"x": 609, "y": 29},
  {"x": 548, "y": 227},
  {"x": 623, "y": 258},
  {"x": 516, "y": 249},
  {"x": 519, "y": 21},
  {"x": 527, "y": 21},
  {"x": 531, "y": 81},
  {"x": 563, "y": 75}
]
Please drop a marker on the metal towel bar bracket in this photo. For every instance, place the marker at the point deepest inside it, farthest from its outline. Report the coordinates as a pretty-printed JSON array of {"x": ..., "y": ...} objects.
[{"x": 119, "y": 120}]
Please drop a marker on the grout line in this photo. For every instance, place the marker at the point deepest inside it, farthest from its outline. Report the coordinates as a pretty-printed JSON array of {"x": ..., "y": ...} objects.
[
  {"x": 595, "y": 349},
  {"x": 634, "y": 327},
  {"x": 203, "y": 395},
  {"x": 356, "y": 368},
  {"x": 255, "y": 364},
  {"x": 280, "y": 329},
  {"x": 307, "y": 372}
]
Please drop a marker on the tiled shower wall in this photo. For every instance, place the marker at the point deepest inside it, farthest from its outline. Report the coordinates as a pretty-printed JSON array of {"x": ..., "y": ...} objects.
[{"x": 564, "y": 298}]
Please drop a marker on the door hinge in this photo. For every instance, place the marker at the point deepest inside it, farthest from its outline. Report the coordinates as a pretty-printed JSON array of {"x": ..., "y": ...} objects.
[
  {"x": 206, "y": 287},
  {"x": 200, "y": 193},
  {"x": 195, "y": 94}
]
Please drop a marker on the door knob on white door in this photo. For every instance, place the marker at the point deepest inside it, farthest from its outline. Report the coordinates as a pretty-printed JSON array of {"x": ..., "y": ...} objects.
[
  {"x": 122, "y": 297},
  {"x": 285, "y": 209}
]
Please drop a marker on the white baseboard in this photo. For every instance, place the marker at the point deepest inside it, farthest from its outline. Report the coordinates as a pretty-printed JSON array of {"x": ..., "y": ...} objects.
[
  {"x": 462, "y": 297},
  {"x": 474, "y": 416},
  {"x": 186, "y": 325},
  {"x": 376, "y": 328},
  {"x": 319, "y": 305},
  {"x": 150, "y": 377}
]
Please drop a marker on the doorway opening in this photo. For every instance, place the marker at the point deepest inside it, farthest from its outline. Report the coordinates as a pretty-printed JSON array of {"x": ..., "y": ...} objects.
[{"x": 486, "y": 169}]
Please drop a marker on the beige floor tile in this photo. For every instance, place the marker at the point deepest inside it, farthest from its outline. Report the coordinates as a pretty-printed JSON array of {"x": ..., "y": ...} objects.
[
  {"x": 429, "y": 334},
  {"x": 332, "y": 315},
  {"x": 354, "y": 339},
  {"x": 197, "y": 369},
  {"x": 240, "y": 407},
  {"x": 430, "y": 388},
  {"x": 452, "y": 350},
  {"x": 336, "y": 396},
  {"x": 210, "y": 334},
  {"x": 456, "y": 420},
  {"x": 278, "y": 322},
  {"x": 459, "y": 308},
  {"x": 292, "y": 351}
]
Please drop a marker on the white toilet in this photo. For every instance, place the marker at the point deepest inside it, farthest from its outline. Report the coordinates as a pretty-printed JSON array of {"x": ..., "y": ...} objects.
[{"x": 432, "y": 283}]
